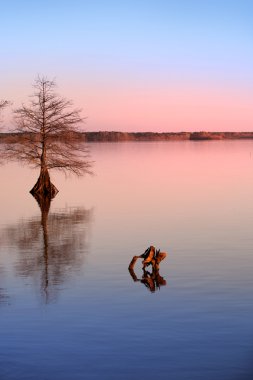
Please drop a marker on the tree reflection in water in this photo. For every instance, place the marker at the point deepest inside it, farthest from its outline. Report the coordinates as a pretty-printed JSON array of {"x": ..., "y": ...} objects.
[
  {"x": 52, "y": 247},
  {"x": 3, "y": 296},
  {"x": 4, "y": 299}
]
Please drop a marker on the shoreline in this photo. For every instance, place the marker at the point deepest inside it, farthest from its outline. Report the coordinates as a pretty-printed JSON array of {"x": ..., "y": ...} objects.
[{"x": 114, "y": 136}]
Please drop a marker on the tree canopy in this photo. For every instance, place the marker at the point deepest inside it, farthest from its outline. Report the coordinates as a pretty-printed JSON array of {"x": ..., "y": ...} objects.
[{"x": 48, "y": 131}]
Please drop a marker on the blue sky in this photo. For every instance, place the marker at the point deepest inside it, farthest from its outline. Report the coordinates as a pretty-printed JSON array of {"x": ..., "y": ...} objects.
[{"x": 92, "y": 45}]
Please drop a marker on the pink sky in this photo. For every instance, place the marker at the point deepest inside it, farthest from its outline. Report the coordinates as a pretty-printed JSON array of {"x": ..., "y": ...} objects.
[
  {"x": 122, "y": 106},
  {"x": 182, "y": 65},
  {"x": 175, "y": 109}
]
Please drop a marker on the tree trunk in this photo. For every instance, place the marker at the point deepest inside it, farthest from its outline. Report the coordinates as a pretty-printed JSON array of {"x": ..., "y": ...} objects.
[{"x": 44, "y": 186}]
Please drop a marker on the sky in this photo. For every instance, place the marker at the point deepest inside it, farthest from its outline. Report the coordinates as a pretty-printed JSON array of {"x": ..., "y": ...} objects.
[{"x": 134, "y": 65}]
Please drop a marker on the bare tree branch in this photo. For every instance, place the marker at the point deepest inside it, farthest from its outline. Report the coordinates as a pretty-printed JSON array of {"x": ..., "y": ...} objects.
[
  {"x": 48, "y": 133},
  {"x": 3, "y": 103}
]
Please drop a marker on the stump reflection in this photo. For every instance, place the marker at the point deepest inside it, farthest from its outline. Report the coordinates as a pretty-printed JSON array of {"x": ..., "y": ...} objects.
[{"x": 152, "y": 280}]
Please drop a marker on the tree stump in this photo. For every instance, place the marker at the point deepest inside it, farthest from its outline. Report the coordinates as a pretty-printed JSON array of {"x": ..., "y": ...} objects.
[{"x": 151, "y": 257}]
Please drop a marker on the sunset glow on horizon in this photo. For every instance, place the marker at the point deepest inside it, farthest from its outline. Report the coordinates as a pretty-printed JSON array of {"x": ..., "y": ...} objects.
[{"x": 136, "y": 65}]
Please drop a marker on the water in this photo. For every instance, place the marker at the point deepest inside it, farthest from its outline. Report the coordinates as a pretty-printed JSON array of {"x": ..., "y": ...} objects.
[{"x": 69, "y": 308}]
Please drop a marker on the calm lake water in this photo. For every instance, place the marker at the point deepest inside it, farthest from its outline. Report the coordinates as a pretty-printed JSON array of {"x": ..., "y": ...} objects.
[{"x": 70, "y": 309}]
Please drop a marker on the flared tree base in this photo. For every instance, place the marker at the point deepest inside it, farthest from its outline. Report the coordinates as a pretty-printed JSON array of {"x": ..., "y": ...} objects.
[{"x": 43, "y": 186}]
